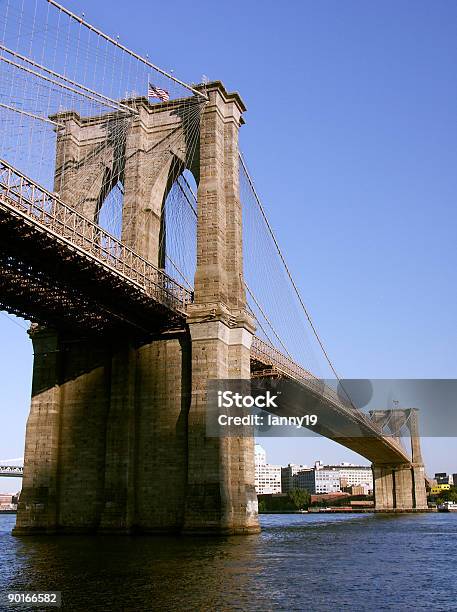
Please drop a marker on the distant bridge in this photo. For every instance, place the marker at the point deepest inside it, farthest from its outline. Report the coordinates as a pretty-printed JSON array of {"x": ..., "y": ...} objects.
[{"x": 14, "y": 471}]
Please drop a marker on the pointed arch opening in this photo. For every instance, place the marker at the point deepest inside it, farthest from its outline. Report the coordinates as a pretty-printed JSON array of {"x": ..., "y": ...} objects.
[
  {"x": 108, "y": 214},
  {"x": 178, "y": 236}
]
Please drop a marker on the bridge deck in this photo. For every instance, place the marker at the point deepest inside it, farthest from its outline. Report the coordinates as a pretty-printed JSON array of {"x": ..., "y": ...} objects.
[
  {"x": 335, "y": 414},
  {"x": 57, "y": 265}
]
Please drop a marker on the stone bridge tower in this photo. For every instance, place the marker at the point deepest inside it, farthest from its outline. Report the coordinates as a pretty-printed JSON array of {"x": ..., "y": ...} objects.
[
  {"x": 116, "y": 437},
  {"x": 400, "y": 487}
]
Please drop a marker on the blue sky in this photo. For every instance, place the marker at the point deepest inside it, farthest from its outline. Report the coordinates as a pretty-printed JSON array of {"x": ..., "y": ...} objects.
[{"x": 351, "y": 137}]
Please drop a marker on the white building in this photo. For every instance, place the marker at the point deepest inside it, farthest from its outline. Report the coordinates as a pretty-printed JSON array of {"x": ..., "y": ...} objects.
[
  {"x": 267, "y": 477},
  {"x": 318, "y": 480},
  {"x": 260, "y": 455},
  {"x": 7, "y": 502},
  {"x": 353, "y": 475},
  {"x": 333, "y": 478}
]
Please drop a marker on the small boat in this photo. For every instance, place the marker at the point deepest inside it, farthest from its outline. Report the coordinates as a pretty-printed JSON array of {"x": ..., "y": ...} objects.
[{"x": 447, "y": 506}]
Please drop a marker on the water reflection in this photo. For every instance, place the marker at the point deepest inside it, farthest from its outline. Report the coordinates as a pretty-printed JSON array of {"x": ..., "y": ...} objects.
[{"x": 298, "y": 562}]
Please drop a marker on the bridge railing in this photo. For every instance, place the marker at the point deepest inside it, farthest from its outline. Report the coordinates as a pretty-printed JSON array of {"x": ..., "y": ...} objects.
[
  {"x": 265, "y": 353},
  {"x": 269, "y": 355},
  {"x": 47, "y": 210}
]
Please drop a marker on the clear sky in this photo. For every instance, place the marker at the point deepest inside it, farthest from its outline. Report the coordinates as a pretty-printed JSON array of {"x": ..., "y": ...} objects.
[{"x": 351, "y": 137}]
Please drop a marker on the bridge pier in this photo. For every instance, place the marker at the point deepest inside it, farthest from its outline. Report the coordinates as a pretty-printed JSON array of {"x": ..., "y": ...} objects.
[
  {"x": 37, "y": 509},
  {"x": 163, "y": 382},
  {"x": 221, "y": 496},
  {"x": 146, "y": 444},
  {"x": 118, "y": 510},
  {"x": 399, "y": 488},
  {"x": 106, "y": 444},
  {"x": 403, "y": 488},
  {"x": 383, "y": 488},
  {"x": 65, "y": 437},
  {"x": 419, "y": 490}
]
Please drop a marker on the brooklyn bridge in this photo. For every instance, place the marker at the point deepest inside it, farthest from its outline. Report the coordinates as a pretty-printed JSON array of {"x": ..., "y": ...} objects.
[{"x": 133, "y": 238}]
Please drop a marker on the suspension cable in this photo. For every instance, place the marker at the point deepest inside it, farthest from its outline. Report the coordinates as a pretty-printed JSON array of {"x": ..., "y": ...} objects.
[
  {"x": 116, "y": 43},
  {"x": 270, "y": 325},
  {"x": 286, "y": 267}
]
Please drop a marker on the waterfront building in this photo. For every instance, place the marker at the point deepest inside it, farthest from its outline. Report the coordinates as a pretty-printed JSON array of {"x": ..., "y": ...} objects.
[
  {"x": 333, "y": 478},
  {"x": 260, "y": 455},
  {"x": 361, "y": 489},
  {"x": 439, "y": 488},
  {"x": 444, "y": 478},
  {"x": 287, "y": 476},
  {"x": 318, "y": 480},
  {"x": 267, "y": 477},
  {"x": 354, "y": 475},
  {"x": 7, "y": 502}
]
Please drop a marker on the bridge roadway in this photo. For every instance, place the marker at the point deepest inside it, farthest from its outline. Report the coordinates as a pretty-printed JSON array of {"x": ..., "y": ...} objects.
[
  {"x": 58, "y": 267},
  {"x": 339, "y": 420},
  {"x": 13, "y": 471}
]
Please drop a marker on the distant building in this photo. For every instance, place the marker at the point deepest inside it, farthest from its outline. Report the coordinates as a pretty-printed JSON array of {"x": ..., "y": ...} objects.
[
  {"x": 353, "y": 475},
  {"x": 454, "y": 479},
  {"x": 260, "y": 455},
  {"x": 317, "y": 480},
  {"x": 439, "y": 488},
  {"x": 7, "y": 502},
  {"x": 333, "y": 478},
  {"x": 361, "y": 489},
  {"x": 443, "y": 478},
  {"x": 287, "y": 476},
  {"x": 267, "y": 477}
]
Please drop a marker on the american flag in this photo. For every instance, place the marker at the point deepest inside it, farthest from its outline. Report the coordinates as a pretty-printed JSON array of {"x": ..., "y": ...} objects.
[{"x": 157, "y": 92}]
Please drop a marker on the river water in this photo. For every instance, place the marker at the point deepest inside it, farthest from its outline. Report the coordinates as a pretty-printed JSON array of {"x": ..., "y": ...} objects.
[{"x": 298, "y": 562}]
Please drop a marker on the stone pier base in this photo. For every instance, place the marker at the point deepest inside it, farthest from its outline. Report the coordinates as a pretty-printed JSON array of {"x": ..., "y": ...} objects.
[
  {"x": 106, "y": 442},
  {"x": 399, "y": 488},
  {"x": 112, "y": 444}
]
